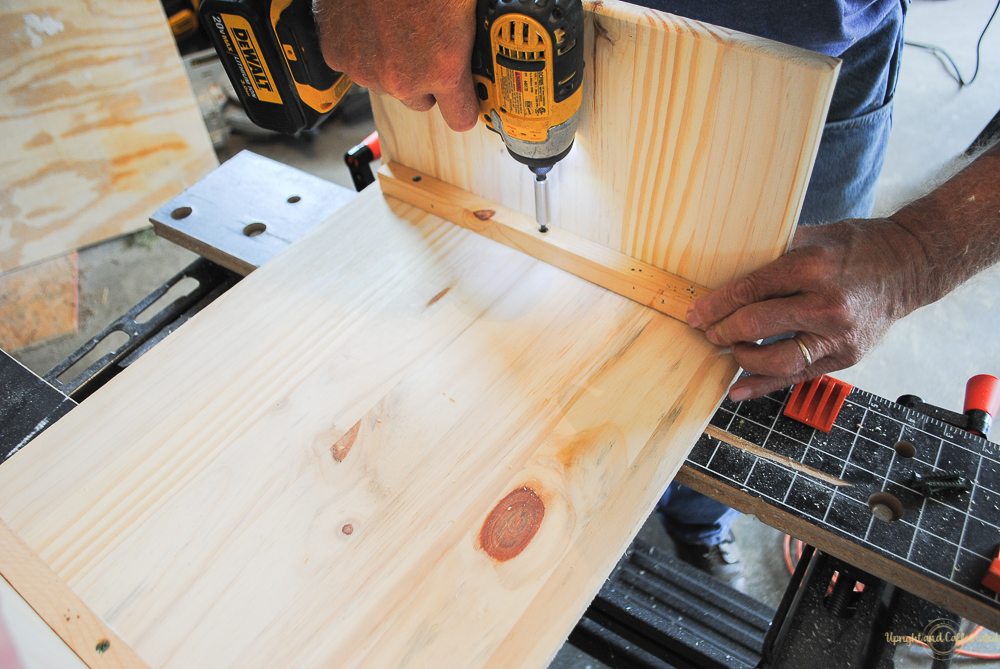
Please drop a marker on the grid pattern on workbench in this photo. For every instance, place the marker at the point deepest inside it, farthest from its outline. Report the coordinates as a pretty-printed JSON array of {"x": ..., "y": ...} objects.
[{"x": 951, "y": 539}]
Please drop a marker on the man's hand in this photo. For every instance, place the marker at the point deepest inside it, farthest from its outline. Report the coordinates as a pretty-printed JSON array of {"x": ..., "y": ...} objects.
[
  {"x": 417, "y": 52},
  {"x": 839, "y": 289},
  {"x": 842, "y": 285}
]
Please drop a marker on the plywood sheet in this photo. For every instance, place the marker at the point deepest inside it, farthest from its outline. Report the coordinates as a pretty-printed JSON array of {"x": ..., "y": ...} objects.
[
  {"x": 98, "y": 125},
  {"x": 694, "y": 149},
  {"x": 39, "y": 302},
  {"x": 396, "y": 444}
]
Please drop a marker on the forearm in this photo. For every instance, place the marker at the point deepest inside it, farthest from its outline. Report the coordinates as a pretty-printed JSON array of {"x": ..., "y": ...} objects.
[{"x": 956, "y": 229}]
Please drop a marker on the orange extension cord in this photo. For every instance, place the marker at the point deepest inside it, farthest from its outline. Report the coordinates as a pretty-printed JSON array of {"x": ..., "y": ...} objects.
[{"x": 967, "y": 653}]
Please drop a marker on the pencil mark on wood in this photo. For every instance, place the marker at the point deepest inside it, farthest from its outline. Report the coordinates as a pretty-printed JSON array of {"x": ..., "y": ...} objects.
[
  {"x": 512, "y": 524},
  {"x": 484, "y": 214},
  {"x": 437, "y": 297},
  {"x": 343, "y": 446}
]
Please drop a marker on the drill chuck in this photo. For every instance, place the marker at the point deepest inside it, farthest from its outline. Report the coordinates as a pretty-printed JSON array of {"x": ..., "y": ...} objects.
[{"x": 540, "y": 154}]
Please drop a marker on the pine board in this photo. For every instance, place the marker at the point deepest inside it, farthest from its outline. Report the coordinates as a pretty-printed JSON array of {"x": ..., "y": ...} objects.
[
  {"x": 396, "y": 374},
  {"x": 98, "y": 125},
  {"x": 693, "y": 153}
]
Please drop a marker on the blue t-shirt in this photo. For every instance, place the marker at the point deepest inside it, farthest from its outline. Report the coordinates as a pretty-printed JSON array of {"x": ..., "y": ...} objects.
[{"x": 827, "y": 26}]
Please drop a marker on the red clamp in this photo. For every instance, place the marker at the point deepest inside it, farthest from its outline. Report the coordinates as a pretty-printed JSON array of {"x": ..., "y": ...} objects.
[
  {"x": 817, "y": 402},
  {"x": 359, "y": 158},
  {"x": 992, "y": 578},
  {"x": 982, "y": 401}
]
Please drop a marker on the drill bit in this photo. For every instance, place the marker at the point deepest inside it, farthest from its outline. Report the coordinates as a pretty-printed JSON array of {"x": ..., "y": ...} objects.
[{"x": 541, "y": 197}]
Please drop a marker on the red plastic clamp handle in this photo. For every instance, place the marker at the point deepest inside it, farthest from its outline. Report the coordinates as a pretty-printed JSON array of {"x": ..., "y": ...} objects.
[
  {"x": 991, "y": 579},
  {"x": 371, "y": 141},
  {"x": 982, "y": 392}
]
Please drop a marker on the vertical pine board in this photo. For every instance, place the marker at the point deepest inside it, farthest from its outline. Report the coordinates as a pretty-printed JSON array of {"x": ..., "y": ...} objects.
[
  {"x": 98, "y": 125},
  {"x": 694, "y": 149}
]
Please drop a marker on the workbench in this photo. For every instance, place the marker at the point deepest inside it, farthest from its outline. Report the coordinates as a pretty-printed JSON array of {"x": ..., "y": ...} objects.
[{"x": 938, "y": 548}]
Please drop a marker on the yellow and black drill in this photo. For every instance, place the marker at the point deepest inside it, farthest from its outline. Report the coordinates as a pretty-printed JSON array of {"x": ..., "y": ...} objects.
[
  {"x": 528, "y": 69},
  {"x": 527, "y": 65},
  {"x": 271, "y": 52}
]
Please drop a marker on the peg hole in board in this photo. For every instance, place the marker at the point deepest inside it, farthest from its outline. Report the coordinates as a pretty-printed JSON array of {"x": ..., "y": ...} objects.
[
  {"x": 180, "y": 212},
  {"x": 905, "y": 449},
  {"x": 293, "y": 199},
  {"x": 254, "y": 229},
  {"x": 885, "y": 507}
]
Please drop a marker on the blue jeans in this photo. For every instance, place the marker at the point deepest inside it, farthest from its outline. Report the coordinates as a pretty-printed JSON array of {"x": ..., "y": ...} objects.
[{"x": 842, "y": 185}]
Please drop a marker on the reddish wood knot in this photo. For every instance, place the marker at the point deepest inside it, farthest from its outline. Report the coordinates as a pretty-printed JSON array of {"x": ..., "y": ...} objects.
[
  {"x": 484, "y": 214},
  {"x": 344, "y": 444},
  {"x": 512, "y": 524},
  {"x": 347, "y": 529},
  {"x": 437, "y": 297}
]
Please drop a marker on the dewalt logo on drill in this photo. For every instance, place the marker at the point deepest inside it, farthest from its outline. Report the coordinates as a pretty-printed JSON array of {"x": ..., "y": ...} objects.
[{"x": 256, "y": 78}]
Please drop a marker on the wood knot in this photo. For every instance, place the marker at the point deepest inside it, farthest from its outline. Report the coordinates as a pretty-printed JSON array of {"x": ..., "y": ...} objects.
[
  {"x": 347, "y": 529},
  {"x": 437, "y": 297},
  {"x": 512, "y": 524},
  {"x": 484, "y": 214},
  {"x": 344, "y": 444}
]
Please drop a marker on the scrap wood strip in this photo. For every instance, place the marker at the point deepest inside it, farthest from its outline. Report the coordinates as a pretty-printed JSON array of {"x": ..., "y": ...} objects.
[
  {"x": 639, "y": 281},
  {"x": 61, "y": 609}
]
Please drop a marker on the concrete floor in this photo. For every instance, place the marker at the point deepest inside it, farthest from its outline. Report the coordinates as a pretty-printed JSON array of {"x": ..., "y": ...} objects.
[{"x": 931, "y": 353}]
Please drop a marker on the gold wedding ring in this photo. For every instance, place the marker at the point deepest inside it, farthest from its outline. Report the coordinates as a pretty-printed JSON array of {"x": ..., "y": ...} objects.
[{"x": 805, "y": 351}]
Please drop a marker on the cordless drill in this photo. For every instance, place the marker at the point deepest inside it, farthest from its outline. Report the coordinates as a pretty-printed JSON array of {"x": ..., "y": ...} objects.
[
  {"x": 527, "y": 64},
  {"x": 528, "y": 67}
]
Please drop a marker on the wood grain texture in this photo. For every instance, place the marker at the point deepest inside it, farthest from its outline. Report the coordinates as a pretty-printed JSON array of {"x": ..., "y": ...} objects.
[
  {"x": 98, "y": 125},
  {"x": 39, "y": 302},
  {"x": 667, "y": 293},
  {"x": 97, "y": 646},
  {"x": 693, "y": 153},
  {"x": 396, "y": 444}
]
